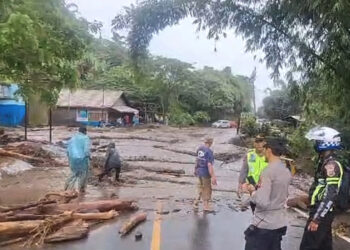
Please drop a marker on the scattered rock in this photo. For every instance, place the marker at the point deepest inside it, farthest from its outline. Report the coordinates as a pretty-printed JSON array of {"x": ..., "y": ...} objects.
[{"x": 138, "y": 236}]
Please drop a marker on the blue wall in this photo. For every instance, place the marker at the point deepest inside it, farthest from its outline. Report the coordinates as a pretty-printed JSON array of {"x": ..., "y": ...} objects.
[
  {"x": 12, "y": 109},
  {"x": 11, "y": 115}
]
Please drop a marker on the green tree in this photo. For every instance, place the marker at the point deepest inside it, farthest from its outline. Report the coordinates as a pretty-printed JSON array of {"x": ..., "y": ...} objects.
[
  {"x": 311, "y": 39},
  {"x": 41, "y": 44},
  {"x": 280, "y": 104}
]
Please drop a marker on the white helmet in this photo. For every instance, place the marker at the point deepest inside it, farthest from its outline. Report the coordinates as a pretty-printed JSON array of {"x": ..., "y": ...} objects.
[{"x": 326, "y": 138}]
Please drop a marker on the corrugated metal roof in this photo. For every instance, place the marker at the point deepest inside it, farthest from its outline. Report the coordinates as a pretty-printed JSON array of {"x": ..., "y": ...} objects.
[
  {"x": 88, "y": 98},
  {"x": 125, "y": 109}
]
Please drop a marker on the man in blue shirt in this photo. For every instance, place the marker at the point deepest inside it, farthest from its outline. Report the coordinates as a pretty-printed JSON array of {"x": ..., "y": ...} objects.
[{"x": 204, "y": 170}]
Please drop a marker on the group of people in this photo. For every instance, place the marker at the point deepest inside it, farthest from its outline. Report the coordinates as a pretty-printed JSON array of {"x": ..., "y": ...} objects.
[
  {"x": 79, "y": 156},
  {"x": 266, "y": 176}
]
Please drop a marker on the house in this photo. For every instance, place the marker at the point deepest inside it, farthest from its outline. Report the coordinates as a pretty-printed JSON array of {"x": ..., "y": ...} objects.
[
  {"x": 295, "y": 120},
  {"x": 89, "y": 107},
  {"x": 12, "y": 107}
]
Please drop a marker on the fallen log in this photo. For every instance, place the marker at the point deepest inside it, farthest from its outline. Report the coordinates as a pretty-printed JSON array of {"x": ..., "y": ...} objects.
[
  {"x": 13, "y": 228},
  {"x": 30, "y": 205},
  {"x": 101, "y": 206},
  {"x": 159, "y": 170},
  {"x": 63, "y": 197},
  {"x": 12, "y": 241},
  {"x": 160, "y": 179},
  {"x": 301, "y": 201},
  {"x": 23, "y": 217},
  {"x": 132, "y": 223},
  {"x": 68, "y": 232},
  {"x": 20, "y": 156},
  {"x": 96, "y": 216},
  {"x": 48, "y": 226}
]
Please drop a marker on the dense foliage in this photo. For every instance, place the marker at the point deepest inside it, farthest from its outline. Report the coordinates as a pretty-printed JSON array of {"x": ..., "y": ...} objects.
[
  {"x": 173, "y": 88},
  {"x": 41, "y": 44},
  {"x": 279, "y": 104},
  {"x": 309, "y": 38}
]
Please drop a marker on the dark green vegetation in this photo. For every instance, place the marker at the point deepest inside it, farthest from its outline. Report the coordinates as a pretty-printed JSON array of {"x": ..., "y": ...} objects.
[
  {"x": 45, "y": 47},
  {"x": 310, "y": 39}
]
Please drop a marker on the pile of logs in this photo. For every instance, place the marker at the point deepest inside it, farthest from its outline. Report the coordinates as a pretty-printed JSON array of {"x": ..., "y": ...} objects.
[{"x": 56, "y": 218}]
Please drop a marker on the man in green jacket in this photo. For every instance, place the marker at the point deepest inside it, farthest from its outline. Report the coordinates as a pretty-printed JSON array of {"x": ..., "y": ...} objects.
[{"x": 253, "y": 164}]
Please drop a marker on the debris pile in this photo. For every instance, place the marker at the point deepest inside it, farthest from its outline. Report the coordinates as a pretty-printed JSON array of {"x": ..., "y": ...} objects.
[
  {"x": 56, "y": 218},
  {"x": 32, "y": 153}
]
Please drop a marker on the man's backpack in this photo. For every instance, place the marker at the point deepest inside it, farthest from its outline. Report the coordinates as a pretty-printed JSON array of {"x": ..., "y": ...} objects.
[{"x": 343, "y": 200}]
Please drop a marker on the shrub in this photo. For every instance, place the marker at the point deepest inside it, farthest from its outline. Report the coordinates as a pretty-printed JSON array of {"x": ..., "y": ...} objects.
[
  {"x": 181, "y": 119},
  {"x": 249, "y": 126},
  {"x": 201, "y": 117}
]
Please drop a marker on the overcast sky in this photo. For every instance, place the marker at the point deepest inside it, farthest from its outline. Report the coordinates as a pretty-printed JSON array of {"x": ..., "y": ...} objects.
[{"x": 184, "y": 43}]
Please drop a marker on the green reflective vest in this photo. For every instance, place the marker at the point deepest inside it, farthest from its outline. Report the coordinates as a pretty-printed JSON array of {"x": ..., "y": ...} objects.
[
  {"x": 322, "y": 182},
  {"x": 256, "y": 164}
]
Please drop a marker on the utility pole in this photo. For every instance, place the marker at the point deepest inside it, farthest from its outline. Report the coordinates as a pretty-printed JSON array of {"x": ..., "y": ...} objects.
[
  {"x": 26, "y": 120},
  {"x": 50, "y": 123}
]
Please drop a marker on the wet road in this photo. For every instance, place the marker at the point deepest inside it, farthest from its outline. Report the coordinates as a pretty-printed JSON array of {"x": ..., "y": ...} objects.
[
  {"x": 183, "y": 230},
  {"x": 195, "y": 231}
]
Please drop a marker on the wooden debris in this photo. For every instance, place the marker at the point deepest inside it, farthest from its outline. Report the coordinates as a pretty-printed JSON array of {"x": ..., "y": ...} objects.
[
  {"x": 12, "y": 241},
  {"x": 69, "y": 232},
  {"x": 62, "y": 197},
  {"x": 30, "y": 205},
  {"x": 101, "y": 206},
  {"x": 299, "y": 202},
  {"x": 96, "y": 216},
  {"x": 48, "y": 226},
  {"x": 20, "y": 156},
  {"x": 22, "y": 217},
  {"x": 159, "y": 170},
  {"x": 13, "y": 228},
  {"x": 132, "y": 223}
]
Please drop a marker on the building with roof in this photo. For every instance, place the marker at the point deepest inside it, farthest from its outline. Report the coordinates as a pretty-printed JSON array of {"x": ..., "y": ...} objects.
[
  {"x": 12, "y": 107},
  {"x": 90, "y": 107}
]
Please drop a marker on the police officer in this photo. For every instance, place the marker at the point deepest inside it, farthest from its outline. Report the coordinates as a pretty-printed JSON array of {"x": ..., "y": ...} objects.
[
  {"x": 269, "y": 223},
  {"x": 253, "y": 164},
  {"x": 324, "y": 191}
]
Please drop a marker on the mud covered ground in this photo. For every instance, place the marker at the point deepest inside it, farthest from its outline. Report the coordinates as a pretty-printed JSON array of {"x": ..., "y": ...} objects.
[{"x": 145, "y": 151}]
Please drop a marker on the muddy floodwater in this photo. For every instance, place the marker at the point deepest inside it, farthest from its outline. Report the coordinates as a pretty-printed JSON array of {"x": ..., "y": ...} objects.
[{"x": 143, "y": 151}]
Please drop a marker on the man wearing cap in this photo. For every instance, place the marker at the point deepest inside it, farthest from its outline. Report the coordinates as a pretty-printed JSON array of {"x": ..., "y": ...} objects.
[
  {"x": 204, "y": 170},
  {"x": 253, "y": 164},
  {"x": 269, "y": 220}
]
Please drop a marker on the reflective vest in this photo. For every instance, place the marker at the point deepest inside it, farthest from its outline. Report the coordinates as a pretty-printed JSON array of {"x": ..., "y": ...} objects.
[
  {"x": 256, "y": 164},
  {"x": 322, "y": 182}
]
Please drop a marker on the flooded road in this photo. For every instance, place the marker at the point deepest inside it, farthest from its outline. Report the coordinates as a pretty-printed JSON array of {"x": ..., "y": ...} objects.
[{"x": 179, "y": 226}]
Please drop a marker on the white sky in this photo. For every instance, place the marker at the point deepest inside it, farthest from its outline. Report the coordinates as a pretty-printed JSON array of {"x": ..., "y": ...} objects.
[{"x": 182, "y": 42}]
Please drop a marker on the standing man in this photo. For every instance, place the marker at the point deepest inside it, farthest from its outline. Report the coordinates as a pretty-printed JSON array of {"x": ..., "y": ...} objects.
[
  {"x": 324, "y": 191},
  {"x": 269, "y": 219},
  {"x": 204, "y": 170},
  {"x": 78, "y": 152},
  {"x": 253, "y": 164},
  {"x": 112, "y": 163}
]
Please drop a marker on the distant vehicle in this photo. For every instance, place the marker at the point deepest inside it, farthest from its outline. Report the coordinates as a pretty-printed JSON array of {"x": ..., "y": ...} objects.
[{"x": 221, "y": 124}]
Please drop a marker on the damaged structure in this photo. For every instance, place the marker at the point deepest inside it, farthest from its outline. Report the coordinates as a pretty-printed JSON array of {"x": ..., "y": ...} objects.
[{"x": 89, "y": 107}]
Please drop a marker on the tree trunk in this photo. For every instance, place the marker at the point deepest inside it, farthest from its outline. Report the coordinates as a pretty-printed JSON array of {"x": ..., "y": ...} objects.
[
  {"x": 20, "y": 156},
  {"x": 30, "y": 205},
  {"x": 18, "y": 227},
  {"x": 96, "y": 216},
  {"x": 132, "y": 222},
  {"x": 101, "y": 206},
  {"x": 67, "y": 233}
]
